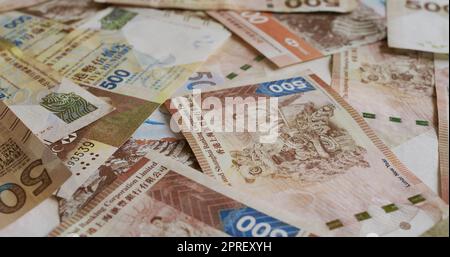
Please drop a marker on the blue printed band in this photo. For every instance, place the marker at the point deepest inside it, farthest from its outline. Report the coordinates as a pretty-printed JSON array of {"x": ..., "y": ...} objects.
[
  {"x": 285, "y": 87},
  {"x": 248, "y": 222}
]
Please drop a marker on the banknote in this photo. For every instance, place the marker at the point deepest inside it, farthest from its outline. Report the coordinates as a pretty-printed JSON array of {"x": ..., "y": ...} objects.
[
  {"x": 111, "y": 51},
  {"x": 6, "y": 5},
  {"x": 85, "y": 150},
  {"x": 154, "y": 134},
  {"x": 65, "y": 11},
  {"x": 50, "y": 105},
  {"x": 322, "y": 163},
  {"x": 164, "y": 198},
  {"x": 237, "y": 63},
  {"x": 288, "y": 39},
  {"x": 29, "y": 172},
  {"x": 258, "y": 5},
  {"x": 110, "y": 54},
  {"x": 441, "y": 73},
  {"x": 394, "y": 90},
  {"x": 29, "y": 33},
  {"x": 418, "y": 25}
]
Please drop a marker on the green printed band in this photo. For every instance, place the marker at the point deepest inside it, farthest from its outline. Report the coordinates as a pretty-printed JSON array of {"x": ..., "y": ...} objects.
[
  {"x": 363, "y": 216},
  {"x": 416, "y": 199},
  {"x": 395, "y": 119},
  {"x": 390, "y": 208},
  {"x": 334, "y": 224},
  {"x": 246, "y": 67},
  {"x": 232, "y": 75},
  {"x": 369, "y": 115}
]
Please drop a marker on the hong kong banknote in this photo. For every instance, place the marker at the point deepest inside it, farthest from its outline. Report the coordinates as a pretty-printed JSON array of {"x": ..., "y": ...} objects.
[
  {"x": 111, "y": 51},
  {"x": 322, "y": 163},
  {"x": 237, "y": 63},
  {"x": 287, "y": 39},
  {"x": 29, "y": 33},
  {"x": 171, "y": 199},
  {"x": 29, "y": 172},
  {"x": 154, "y": 134},
  {"x": 394, "y": 90},
  {"x": 50, "y": 105},
  {"x": 110, "y": 57},
  {"x": 6, "y": 5},
  {"x": 441, "y": 73},
  {"x": 418, "y": 25},
  {"x": 258, "y": 5}
]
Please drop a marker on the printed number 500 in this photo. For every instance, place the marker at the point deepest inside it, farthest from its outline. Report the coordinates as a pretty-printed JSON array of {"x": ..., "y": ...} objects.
[{"x": 114, "y": 79}]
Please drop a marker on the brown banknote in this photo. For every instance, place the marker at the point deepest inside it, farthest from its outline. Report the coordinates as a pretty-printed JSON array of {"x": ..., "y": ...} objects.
[
  {"x": 29, "y": 172},
  {"x": 395, "y": 91},
  {"x": 325, "y": 164},
  {"x": 160, "y": 197},
  {"x": 288, "y": 39}
]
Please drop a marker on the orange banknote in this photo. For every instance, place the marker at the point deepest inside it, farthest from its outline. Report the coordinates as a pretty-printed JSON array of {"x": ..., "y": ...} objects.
[{"x": 288, "y": 39}]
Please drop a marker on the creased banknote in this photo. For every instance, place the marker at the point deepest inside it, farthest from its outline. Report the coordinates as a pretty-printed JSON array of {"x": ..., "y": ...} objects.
[
  {"x": 6, "y": 5},
  {"x": 322, "y": 163},
  {"x": 394, "y": 90},
  {"x": 154, "y": 134},
  {"x": 112, "y": 51},
  {"x": 418, "y": 25},
  {"x": 288, "y": 39},
  {"x": 50, "y": 105},
  {"x": 111, "y": 55},
  {"x": 151, "y": 201},
  {"x": 441, "y": 67},
  {"x": 254, "y": 5},
  {"x": 29, "y": 33},
  {"x": 29, "y": 172},
  {"x": 65, "y": 11}
]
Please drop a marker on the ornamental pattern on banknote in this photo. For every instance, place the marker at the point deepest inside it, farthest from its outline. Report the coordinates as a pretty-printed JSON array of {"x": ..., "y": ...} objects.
[
  {"x": 117, "y": 19},
  {"x": 410, "y": 73},
  {"x": 69, "y": 107},
  {"x": 331, "y": 32},
  {"x": 311, "y": 149}
]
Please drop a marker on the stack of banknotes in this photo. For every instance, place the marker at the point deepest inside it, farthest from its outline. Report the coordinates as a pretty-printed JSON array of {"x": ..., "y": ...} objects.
[{"x": 258, "y": 118}]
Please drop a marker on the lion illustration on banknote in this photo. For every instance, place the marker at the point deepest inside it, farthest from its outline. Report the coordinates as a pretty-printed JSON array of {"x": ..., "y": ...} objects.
[
  {"x": 310, "y": 149},
  {"x": 69, "y": 107}
]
